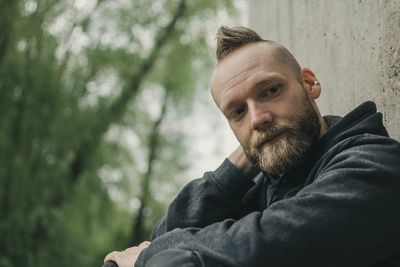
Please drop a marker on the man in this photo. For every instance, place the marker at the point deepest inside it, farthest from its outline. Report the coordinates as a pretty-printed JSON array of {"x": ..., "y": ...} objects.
[{"x": 301, "y": 190}]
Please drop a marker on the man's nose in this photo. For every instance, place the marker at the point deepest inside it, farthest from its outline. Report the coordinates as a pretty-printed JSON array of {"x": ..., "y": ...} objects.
[{"x": 260, "y": 118}]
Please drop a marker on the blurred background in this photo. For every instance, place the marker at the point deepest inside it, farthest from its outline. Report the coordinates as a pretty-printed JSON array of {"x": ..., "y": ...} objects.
[
  {"x": 105, "y": 110},
  {"x": 105, "y": 113}
]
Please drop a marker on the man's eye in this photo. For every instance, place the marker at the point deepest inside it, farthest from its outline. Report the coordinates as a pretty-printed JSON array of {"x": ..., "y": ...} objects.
[
  {"x": 237, "y": 113},
  {"x": 272, "y": 91}
]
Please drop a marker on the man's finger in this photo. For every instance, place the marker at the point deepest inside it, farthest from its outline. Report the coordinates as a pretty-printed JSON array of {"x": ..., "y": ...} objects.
[
  {"x": 144, "y": 244},
  {"x": 128, "y": 256},
  {"x": 113, "y": 256}
]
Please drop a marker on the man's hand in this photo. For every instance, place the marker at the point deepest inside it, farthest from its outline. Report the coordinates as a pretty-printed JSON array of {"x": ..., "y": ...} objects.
[
  {"x": 239, "y": 159},
  {"x": 128, "y": 257}
]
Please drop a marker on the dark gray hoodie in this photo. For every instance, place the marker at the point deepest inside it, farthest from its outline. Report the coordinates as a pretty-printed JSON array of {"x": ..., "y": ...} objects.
[{"x": 339, "y": 207}]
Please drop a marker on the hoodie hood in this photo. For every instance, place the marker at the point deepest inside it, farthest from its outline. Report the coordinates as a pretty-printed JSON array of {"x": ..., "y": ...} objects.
[{"x": 364, "y": 119}]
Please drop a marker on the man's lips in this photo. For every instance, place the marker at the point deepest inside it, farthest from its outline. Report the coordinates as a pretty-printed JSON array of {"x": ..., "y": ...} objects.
[{"x": 269, "y": 139}]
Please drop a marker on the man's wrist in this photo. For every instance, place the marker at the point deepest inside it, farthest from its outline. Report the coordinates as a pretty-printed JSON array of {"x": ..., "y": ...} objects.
[{"x": 242, "y": 163}]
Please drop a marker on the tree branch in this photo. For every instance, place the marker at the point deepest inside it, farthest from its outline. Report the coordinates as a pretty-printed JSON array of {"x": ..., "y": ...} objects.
[{"x": 118, "y": 108}]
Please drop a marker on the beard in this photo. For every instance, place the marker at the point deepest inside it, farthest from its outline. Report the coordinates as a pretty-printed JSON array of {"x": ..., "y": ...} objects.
[{"x": 279, "y": 149}]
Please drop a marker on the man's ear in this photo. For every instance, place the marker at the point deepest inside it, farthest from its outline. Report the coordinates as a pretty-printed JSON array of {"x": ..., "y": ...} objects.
[{"x": 311, "y": 83}]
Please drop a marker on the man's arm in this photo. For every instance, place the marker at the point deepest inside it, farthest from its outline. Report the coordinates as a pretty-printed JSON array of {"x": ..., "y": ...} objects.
[
  {"x": 215, "y": 197},
  {"x": 348, "y": 217}
]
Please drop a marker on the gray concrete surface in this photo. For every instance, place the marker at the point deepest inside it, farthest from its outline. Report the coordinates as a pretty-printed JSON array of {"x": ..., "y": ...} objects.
[{"x": 352, "y": 45}]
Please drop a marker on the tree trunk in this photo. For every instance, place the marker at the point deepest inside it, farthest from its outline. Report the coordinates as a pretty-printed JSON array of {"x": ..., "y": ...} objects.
[
  {"x": 138, "y": 230},
  {"x": 8, "y": 10}
]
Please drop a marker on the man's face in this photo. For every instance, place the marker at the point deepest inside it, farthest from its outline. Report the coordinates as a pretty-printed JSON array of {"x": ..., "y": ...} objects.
[{"x": 267, "y": 107}]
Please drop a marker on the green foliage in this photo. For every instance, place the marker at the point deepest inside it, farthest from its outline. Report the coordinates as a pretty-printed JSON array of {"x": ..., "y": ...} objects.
[{"x": 70, "y": 165}]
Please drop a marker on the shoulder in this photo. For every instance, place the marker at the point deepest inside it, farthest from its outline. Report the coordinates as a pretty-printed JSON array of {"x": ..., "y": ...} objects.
[
  {"x": 368, "y": 153},
  {"x": 370, "y": 146}
]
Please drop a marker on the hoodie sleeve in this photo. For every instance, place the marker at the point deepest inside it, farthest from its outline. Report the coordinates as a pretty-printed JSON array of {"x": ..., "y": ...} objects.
[
  {"x": 348, "y": 217},
  {"x": 215, "y": 197}
]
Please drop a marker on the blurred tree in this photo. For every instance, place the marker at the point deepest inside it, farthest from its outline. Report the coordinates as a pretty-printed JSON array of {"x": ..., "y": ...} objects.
[
  {"x": 79, "y": 83},
  {"x": 138, "y": 230}
]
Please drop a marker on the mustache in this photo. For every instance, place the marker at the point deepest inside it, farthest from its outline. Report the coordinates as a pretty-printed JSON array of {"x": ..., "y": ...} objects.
[{"x": 267, "y": 135}]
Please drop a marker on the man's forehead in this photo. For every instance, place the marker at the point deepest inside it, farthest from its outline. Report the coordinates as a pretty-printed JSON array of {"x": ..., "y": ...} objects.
[{"x": 241, "y": 61}]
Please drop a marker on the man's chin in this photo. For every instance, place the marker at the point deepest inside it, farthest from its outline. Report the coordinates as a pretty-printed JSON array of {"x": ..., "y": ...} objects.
[{"x": 273, "y": 159}]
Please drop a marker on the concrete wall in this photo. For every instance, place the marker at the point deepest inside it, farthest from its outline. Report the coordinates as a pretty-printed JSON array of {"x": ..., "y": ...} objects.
[{"x": 352, "y": 45}]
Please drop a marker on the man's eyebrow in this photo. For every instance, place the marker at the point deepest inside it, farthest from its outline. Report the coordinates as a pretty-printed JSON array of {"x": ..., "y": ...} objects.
[
  {"x": 264, "y": 80},
  {"x": 228, "y": 106}
]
